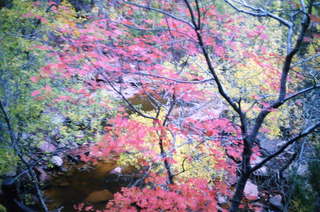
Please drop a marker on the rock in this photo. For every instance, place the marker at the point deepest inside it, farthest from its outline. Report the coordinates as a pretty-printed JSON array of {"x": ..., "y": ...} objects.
[
  {"x": 47, "y": 147},
  {"x": 258, "y": 207},
  {"x": 222, "y": 201},
  {"x": 276, "y": 201},
  {"x": 270, "y": 145},
  {"x": 57, "y": 119},
  {"x": 56, "y": 160},
  {"x": 8, "y": 181},
  {"x": 12, "y": 172},
  {"x": 263, "y": 170},
  {"x": 251, "y": 191},
  {"x": 303, "y": 170},
  {"x": 25, "y": 136},
  {"x": 64, "y": 169},
  {"x": 99, "y": 196},
  {"x": 117, "y": 170}
]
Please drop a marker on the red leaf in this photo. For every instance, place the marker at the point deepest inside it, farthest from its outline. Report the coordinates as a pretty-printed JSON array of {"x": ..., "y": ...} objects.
[
  {"x": 34, "y": 79},
  {"x": 36, "y": 93}
]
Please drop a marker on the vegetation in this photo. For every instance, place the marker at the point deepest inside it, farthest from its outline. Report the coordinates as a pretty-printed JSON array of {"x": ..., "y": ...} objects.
[{"x": 203, "y": 99}]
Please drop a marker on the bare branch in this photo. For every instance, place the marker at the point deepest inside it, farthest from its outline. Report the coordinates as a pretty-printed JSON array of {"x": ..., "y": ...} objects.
[
  {"x": 305, "y": 60},
  {"x": 289, "y": 57},
  {"x": 198, "y": 13},
  {"x": 8, "y": 123},
  {"x": 160, "y": 11},
  {"x": 174, "y": 80},
  {"x": 183, "y": 168},
  {"x": 172, "y": 104},
  {"x": 193, "y": 19},
  {"x": 258, "y": 12},
  {"x": 209, "y": 64},
  {"x": 303, "y": 91},
  {"x": 106, "y": 80},
  {"x": 284, "y": 76},
  {"x": 261, "y": 12},
  {"x": 18, "y": 152},
  {"x": 307, "y": 131}
]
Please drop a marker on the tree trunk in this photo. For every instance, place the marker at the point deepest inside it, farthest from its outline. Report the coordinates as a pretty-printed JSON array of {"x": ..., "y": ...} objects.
[
  {"x": 237, "y": 197},
  {"x": 244, "y": 175}
]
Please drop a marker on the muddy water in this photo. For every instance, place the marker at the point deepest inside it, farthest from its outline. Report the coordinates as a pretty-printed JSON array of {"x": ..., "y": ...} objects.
[
  {"x": 81, "y": 184},
  {"x": 144, "y": 102}
]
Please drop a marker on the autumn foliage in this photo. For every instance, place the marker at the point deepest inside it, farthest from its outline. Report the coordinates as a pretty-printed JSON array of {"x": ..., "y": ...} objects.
[{"x": 193, "y": 65}]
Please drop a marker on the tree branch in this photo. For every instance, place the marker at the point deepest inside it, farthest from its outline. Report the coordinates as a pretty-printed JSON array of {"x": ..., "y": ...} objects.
[
  {"x": 18, "y": 152},
  {"x": 209, "y": 63},
  {"x": 287, "y": 64},
  {"x": 173, "y": 80},
  {"x": 298, "y": 93},
  {"x": 160, "y": 11},
  {"x": 8, "y": 123},
  {"x": 305, "y": 60},
  {"x": 259, "y": 12},
  {"x": 307, "y": 131},
  {"x": 125, "y": 99},
  {"x": 284, "y": 76}
]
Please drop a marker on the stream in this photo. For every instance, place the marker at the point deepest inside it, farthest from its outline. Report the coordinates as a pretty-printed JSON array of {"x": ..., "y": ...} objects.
[
  {"x": 81, "y": 184},
  {"x": 85, "y": 184}
]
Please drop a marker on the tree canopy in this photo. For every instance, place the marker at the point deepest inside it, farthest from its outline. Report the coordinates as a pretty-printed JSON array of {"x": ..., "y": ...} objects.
[{"x": 200, "y": 96}]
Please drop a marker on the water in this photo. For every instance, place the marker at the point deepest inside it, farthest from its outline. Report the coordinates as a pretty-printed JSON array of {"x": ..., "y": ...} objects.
[{"x": 81, "y": 184}]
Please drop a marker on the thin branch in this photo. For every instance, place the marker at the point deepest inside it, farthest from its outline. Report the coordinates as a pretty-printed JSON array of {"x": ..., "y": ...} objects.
[
  {"x": 106, "y": 80},
  {"x": 286, "y": 67},
  {"x": 17, "y": 151},
  {"x": 307, "y": 131},
  {"x": 193, "y": 19},
  {"x": 209, "y": 64},
  {"x": 173, "y": 80},
  {"x": 8, "y": 123},
  {"x": 305, "y": 60},
  {"x": 259, "y": 12},
  {"x": 198, "y": 13},
  {"x": 160, "y": 11},
  {"x": 183, "y": 168},
  {"x": 142, "y": 29},
  {"x": 284, "y": 78},
  {"x": 172, "y": 104},
  {"x": 288, "y": 163},
  {"x": 303, "y": 91}
]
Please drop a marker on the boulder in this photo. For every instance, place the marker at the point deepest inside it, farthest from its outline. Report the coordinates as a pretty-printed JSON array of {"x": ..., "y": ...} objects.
[
  {"x": 99, "y": 196},
  {"x": 251, "y": 191},
  {"x": 117, "y": 170},
  {"x": 222, "y": 201},
  {"x": 12, "y": 172},
  {"x": 303, "y": 170},
  {"x": 47, "y": 147},
  {"x": 270, "y": 145},
  {"x": 276, "y": 201},
  {"x": 56, "y": 160}
]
